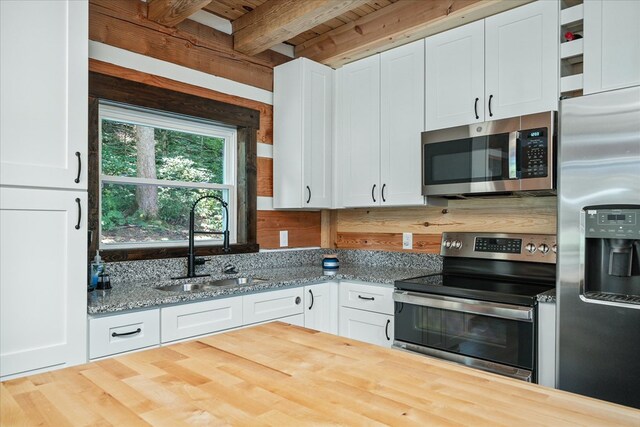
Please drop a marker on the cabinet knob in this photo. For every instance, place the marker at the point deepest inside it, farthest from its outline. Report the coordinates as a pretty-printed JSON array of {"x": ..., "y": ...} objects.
[{"x": 298, "y": 300}]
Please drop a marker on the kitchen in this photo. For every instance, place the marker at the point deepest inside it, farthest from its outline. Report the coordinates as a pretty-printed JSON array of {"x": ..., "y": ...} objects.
[{"x": 353, "y": 188}]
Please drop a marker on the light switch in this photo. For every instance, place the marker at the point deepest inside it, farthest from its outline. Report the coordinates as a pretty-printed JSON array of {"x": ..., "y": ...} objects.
[{"x": 284, "y": 238}]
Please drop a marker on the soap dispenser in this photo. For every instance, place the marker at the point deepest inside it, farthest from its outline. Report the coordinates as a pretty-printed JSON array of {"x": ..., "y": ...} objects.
[{"x": 97, "y": 267}]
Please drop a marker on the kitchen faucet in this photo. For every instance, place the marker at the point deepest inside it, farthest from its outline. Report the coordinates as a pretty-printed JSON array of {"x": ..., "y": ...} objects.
[{"x": 191, "y": 257}]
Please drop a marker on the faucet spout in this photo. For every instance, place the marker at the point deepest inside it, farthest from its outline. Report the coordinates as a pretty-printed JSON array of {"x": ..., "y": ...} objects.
[{"x": 191, "y": 257}]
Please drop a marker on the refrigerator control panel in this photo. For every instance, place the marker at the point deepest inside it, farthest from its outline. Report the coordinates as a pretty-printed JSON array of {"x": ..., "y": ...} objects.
[{"x": 612, "y": 223}]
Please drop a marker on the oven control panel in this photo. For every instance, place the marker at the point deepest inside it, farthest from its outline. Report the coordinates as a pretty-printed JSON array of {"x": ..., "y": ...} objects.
[{"x": 501, "y": 246}]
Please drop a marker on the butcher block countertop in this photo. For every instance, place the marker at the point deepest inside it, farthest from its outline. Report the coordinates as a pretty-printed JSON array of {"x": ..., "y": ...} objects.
[{"x": 277, "y": 374}]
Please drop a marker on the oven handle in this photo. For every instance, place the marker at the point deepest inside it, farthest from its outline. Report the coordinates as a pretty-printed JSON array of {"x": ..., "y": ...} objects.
[{"x": 483, "y": 308}]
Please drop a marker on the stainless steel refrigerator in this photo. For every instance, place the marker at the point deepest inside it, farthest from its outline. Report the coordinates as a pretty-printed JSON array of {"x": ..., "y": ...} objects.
[{"x": 598, "y": 351}]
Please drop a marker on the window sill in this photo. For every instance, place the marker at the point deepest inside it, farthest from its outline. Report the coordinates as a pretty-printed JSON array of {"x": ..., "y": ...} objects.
[{"x": 137, "y": 254}]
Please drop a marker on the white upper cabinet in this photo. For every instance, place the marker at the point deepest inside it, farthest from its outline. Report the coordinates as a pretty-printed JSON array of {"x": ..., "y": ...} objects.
[
  {"x": 455, "y": 77},
  {"x": 43, "y": 81},
  {"x": 303, "y": 135},
  {"x": 382, "y": 113},
  {"x": 401, "y": 123},
  {"x": 360, "y": 139},
  {"x": 521, "y": 60},
  {"x": 611, "y": 45}
]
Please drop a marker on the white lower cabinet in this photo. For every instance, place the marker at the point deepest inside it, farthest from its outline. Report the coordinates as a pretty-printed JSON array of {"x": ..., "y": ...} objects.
[
  {"x": 120, "y": 333},
  {"x": 321, "y": 307},
  {"x": 272, "y": 305},
  {"x": 200, "y": 318},
  {"x": 367, "y": 326},
  {"x": 547, "y": 344},
  {"x": 366, "y": 312}
]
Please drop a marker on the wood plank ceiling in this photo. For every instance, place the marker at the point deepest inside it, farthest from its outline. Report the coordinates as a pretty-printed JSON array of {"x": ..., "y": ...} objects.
[{"x": 333, "y": 32}]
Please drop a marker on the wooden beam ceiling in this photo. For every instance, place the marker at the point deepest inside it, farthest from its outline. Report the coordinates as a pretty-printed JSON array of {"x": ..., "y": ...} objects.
[
  {"x": 278, "y": 20},
  {"x": 171, "y": 12},
  {"x": 397, "y": 24}
]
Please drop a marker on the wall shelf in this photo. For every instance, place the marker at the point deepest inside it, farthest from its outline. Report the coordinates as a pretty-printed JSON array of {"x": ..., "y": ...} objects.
[
  {"x": 571, "y": 83},
  {"x": 571, "y": 49},
  {"x": 572, "y": 14}
]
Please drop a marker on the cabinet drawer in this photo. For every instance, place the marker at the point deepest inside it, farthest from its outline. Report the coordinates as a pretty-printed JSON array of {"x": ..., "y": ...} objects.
[
  {"x": 272, "y": 305},
  {"x": 366, "y": 297},
  {"x": 374, "y": 328},
  {"x": 123, "y": 332},
  {"x": 199, "y": 318}
]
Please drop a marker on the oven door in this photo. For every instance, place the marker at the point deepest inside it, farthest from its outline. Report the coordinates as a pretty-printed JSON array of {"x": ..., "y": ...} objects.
[{"x": 494, "y": 337}]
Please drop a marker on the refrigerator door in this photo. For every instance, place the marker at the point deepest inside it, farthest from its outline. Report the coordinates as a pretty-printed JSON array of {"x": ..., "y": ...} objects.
[{"x": 599, "y": 164}]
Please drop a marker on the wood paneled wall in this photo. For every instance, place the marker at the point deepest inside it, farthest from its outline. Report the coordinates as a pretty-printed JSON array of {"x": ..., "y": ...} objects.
[{"x": 382, "y": 228}]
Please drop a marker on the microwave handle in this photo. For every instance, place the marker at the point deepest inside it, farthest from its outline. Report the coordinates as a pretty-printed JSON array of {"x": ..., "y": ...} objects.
[
  {"x": 482, "y": 308},
  {"x": 513, "y": 154}
]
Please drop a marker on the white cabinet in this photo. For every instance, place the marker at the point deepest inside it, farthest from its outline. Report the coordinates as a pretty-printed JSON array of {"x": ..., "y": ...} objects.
[
  {"x": 43, "y": 282},
  {"x": 611, "y": 45},
  {"x": 321, "y": 307},
  {"x": 503, "y": 66},
  {"x": 43, "y": 81},
  {"x": 547, "y": 344},
  {"x": 521, "y": 60},
  {"x": 382, "y": 108},
  {"x": 367, "y": 326},
  {"x": 360, "y": 137},
  {"x": 366, "y": 312},
  {"x": 124, "y": 332},
  {"x": 303, "y": 135},
  {"x": 401, "y": 124},
  {"x": 200, "y": 318},
  {"x": 454, "y": 77},
  {"x": 272, "y": 305}
]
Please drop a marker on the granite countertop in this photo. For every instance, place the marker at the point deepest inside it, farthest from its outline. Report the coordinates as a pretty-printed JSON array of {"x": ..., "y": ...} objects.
[
  {"x": 549, "y": 296},
  {"x": 137, "y": 295}
]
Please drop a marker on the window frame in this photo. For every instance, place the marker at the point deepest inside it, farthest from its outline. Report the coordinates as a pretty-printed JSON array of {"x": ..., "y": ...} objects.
[
  {"x": 135, "y": 115},
  {"x": 109, "y": 89}
]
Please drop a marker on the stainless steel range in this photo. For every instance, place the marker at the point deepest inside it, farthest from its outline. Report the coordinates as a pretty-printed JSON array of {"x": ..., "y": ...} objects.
[{"x": 482, "y": 310}]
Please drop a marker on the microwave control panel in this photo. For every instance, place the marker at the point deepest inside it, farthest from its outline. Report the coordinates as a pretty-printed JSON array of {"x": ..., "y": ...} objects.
[{"x": 533, "y": 153}]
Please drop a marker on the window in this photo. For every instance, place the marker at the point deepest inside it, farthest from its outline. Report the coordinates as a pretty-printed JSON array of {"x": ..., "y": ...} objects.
[{"x": 153, "y": 166}]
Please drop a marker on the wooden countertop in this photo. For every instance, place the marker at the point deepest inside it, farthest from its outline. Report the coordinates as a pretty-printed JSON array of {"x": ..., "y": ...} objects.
[{"x": 277, "y": 374}]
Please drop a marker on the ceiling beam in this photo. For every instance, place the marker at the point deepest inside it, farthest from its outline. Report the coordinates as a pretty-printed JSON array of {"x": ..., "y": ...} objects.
[
  {"x": 397, "y": 24},
  {"x": 278, "y": 20},
  {"x": 171, "y": 12}
]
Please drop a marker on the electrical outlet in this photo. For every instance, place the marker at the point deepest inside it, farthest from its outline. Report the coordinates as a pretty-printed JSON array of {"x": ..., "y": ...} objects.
[
  {"x": 284, "y": 238},
  {"x": 407, "y": 240}
]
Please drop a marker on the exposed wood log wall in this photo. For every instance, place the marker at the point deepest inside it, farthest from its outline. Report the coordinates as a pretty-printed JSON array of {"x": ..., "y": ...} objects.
[{"x": 382, "y": 228}]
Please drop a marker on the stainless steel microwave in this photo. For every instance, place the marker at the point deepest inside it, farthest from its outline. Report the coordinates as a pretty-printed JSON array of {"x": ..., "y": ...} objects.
[{"x": 514, "y": 156}]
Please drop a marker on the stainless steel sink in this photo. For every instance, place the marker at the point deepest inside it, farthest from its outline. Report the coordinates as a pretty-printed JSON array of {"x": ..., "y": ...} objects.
[{"x": 204, "y": 286}]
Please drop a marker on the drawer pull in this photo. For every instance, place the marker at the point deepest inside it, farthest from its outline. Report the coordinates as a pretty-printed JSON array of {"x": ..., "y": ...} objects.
[
  {"x": 77, "y": 180},
  {"x": 366, "y": 298},
  {"x": 124, "y": 334},
  {"x": 386, "y": 329},
  {"x": 311, "y": 293},
  {"x": 79, "y": 214},
  {"x": 298, "y": 300}
]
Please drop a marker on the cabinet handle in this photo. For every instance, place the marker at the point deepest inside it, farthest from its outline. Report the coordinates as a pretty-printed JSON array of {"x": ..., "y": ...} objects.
[
  {"x": 475, "y": 108},
  {"x": 124, "y": 334},
  {"x": 79, "y": 213},
  {"x": 298, "y": 300},
  {"x": 311, "y": 293},
  {"x": 366, "y": 298},
  {"x": 77, "y": 180},
  {"x": 386, "y": 329},
  {"x": 309, "y": 190},
  {"x": 490, "y": 98},
  {"x": 382, "y": 192},
  {"x": 373, "y": 189}
]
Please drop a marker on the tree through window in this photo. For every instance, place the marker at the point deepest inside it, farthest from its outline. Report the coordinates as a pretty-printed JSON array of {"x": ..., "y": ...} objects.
[{"x": 153, "y": 167}]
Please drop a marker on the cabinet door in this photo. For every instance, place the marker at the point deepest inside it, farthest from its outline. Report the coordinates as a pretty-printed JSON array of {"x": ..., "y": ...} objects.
[
  {"x": 547, "y": 344},
  {"x": 455, "y": 77},
  {"x": 611, "y": 45},
  {"x": 272, "y": 305},
  {"x": 401, "y": 124},
  {"x": 374, "y": 328},
  {"x": 43, "y": 81},
  {"x": 43, "y": 279},
  {"x": 521, "y": 60},
  {"x": 199, "y": 318},
  {"x": 321, "y": 307},
  {"x": 361, "y": 132},
  {"x": 317, "y": 104}
]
